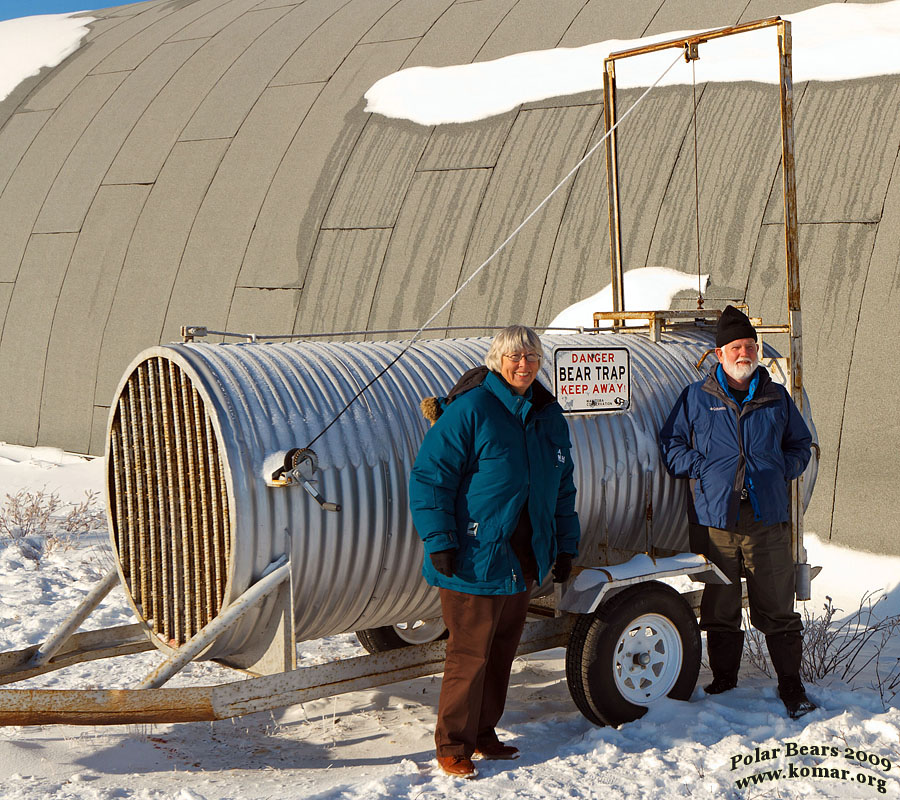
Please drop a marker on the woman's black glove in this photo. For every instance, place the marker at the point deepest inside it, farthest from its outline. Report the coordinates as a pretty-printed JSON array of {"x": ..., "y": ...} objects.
[
  {"x": 445, "y": 561},
  {"x": 562, "y": 568}
]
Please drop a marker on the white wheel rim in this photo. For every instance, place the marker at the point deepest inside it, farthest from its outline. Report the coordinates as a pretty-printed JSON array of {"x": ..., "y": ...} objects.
[
  {"x": 647, "y": 659},
  {"x": 420, "y": 631}
]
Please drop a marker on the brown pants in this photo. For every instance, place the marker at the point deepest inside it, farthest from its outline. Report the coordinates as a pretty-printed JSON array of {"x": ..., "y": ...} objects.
[
  {"x": 484, "y": 634},
  {"x": 765, "y": 552}
]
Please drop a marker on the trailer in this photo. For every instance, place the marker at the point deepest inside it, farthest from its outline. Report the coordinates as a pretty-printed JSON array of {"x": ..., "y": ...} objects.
[{"x": 257, "y": 498}]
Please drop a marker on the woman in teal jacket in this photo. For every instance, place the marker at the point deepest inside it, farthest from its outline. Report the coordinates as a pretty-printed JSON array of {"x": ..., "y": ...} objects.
[{"x": 493, "y": 499}]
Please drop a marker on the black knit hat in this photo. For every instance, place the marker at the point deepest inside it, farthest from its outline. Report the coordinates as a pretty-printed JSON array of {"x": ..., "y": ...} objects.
[{"x": 733, "y": 324}]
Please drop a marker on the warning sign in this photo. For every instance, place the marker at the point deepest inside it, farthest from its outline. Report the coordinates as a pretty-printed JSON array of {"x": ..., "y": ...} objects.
[{"x": 592, "y": 379}]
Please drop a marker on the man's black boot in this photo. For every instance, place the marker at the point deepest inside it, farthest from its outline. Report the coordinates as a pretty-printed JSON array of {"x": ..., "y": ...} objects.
[
  {"x": 724, "y": 649},
  {"x": 786, "y": 650},
  {"x": 793, "y": 695},
  {"x": 720, "y": 684}
]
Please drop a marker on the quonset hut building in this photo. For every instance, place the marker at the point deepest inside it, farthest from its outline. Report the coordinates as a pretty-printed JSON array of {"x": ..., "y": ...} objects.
[{"x": 211, "y": 162}]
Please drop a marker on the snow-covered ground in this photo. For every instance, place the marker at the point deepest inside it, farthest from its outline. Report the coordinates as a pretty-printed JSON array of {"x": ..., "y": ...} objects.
[{"x": 378, "y": 743}]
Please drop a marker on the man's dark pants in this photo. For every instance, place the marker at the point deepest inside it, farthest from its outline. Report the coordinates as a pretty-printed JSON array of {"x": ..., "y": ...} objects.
[
  {"x": 768, "y": 563},
  {"x": 484, "y": 634}
]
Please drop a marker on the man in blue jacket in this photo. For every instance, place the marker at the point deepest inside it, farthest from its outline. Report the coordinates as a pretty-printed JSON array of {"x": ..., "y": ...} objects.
[{"x": 739, "y": 438}]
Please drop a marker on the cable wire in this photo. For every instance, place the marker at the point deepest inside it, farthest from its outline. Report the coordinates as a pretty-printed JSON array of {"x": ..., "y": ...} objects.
[{"x": 496, "y": 252}]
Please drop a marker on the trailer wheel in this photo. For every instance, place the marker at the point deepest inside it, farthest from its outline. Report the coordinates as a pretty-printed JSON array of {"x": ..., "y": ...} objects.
[
  {"x": 641, "y": 645},
  {"x": 403, "y": 634}
]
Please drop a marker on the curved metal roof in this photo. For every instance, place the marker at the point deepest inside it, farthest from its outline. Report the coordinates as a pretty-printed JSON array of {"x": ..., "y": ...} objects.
[{"x": 210, "y": 162}]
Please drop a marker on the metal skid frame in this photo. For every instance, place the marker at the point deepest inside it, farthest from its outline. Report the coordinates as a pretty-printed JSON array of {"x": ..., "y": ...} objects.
[
  {"x": 549, "y": 626},
  {"x": 150, "y": 703}
]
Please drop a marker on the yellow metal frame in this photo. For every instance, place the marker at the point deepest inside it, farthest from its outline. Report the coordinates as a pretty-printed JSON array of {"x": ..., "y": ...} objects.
[{"x": 656, "y": 320}]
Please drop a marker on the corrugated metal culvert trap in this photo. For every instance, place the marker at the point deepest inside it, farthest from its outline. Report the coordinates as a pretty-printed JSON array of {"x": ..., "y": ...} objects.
[
  {"x": 170, "y": 516},
  {"x": 198, "y": 429}
]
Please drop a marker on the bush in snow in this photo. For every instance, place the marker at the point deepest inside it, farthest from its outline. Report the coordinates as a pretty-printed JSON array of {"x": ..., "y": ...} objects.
[
  {"x": 847, "y": 647},
  {"x": 844, "y": 648},
  {"x": 86, "y": 516},
  {"x": 29, "y": 521}
]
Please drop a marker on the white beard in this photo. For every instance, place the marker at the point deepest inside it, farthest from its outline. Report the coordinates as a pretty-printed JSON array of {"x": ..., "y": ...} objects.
[{"x": 741, "y": 370}]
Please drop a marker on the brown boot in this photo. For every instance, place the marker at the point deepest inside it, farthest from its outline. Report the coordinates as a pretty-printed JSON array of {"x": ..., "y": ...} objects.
[
  {"x": 458, "y": 766},
  {"x": 497, "y": 751}
]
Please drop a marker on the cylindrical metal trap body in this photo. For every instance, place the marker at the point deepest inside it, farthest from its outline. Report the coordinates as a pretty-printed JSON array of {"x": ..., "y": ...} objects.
[{"x": 194, "y": 523}]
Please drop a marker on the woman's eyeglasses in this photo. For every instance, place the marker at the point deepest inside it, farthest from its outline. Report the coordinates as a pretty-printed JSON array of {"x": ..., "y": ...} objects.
[{"x": 531, "y": 358}]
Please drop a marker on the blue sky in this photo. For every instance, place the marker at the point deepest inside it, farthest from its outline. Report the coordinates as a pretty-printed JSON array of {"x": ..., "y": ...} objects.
[{"x": 25, "y": 8}]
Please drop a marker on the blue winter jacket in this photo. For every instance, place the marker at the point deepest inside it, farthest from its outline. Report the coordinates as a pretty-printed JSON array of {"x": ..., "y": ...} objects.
[
  {"x": 723, "y": 446},
  {"x": 478, "y": 465}
]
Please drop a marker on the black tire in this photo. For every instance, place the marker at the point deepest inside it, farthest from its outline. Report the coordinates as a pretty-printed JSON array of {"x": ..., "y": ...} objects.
[
  {"x": 393, "y": 637},
  {"x": 596, "y": 672}
]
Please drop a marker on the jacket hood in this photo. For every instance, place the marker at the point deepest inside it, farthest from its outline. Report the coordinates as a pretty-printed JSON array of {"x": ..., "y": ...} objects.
[{"x": 433, "y": 407}]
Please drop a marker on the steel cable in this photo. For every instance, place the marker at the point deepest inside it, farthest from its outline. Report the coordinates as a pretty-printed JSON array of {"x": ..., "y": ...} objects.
[{"x": 496, "y": 252}]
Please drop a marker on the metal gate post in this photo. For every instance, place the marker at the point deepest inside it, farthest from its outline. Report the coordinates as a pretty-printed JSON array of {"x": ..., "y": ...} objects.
[
  {"x": 612, "y": 184},
  {"x": 792, "y": 266}
]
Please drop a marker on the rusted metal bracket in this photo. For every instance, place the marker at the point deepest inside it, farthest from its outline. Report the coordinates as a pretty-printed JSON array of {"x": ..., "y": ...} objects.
[{"x": 656, "y": 321}]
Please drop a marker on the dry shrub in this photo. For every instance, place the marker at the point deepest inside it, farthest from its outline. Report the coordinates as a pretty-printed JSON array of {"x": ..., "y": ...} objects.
[
  {"x": 844, "y": 648},
  {"x": 27, "y": 513},
  {"x": 86, "y": 516},
  {"x": 29, "y": 520},
  {"x": 847, "y": 647}
]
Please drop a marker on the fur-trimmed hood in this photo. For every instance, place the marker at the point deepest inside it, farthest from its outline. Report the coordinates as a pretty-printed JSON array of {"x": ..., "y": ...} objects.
[{"x": 433, "y": 407}]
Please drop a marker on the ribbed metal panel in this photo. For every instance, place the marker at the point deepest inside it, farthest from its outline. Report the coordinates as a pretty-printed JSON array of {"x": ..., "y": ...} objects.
[{"x": 194, "y": 523}]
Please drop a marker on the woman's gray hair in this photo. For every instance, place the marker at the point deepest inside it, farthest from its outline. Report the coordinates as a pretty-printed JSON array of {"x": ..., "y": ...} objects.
[{"x": 514, "y": 339}]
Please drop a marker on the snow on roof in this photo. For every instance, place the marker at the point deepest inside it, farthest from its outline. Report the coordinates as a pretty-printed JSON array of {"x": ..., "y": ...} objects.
[
  {"x": 835, "y": 42},
  {"x": 644, "y": 288},
  {"x": 29, "y": 44}
]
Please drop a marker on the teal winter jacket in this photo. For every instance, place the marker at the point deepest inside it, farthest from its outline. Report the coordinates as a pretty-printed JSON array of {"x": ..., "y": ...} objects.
[{"x": 490, "y": 451}]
